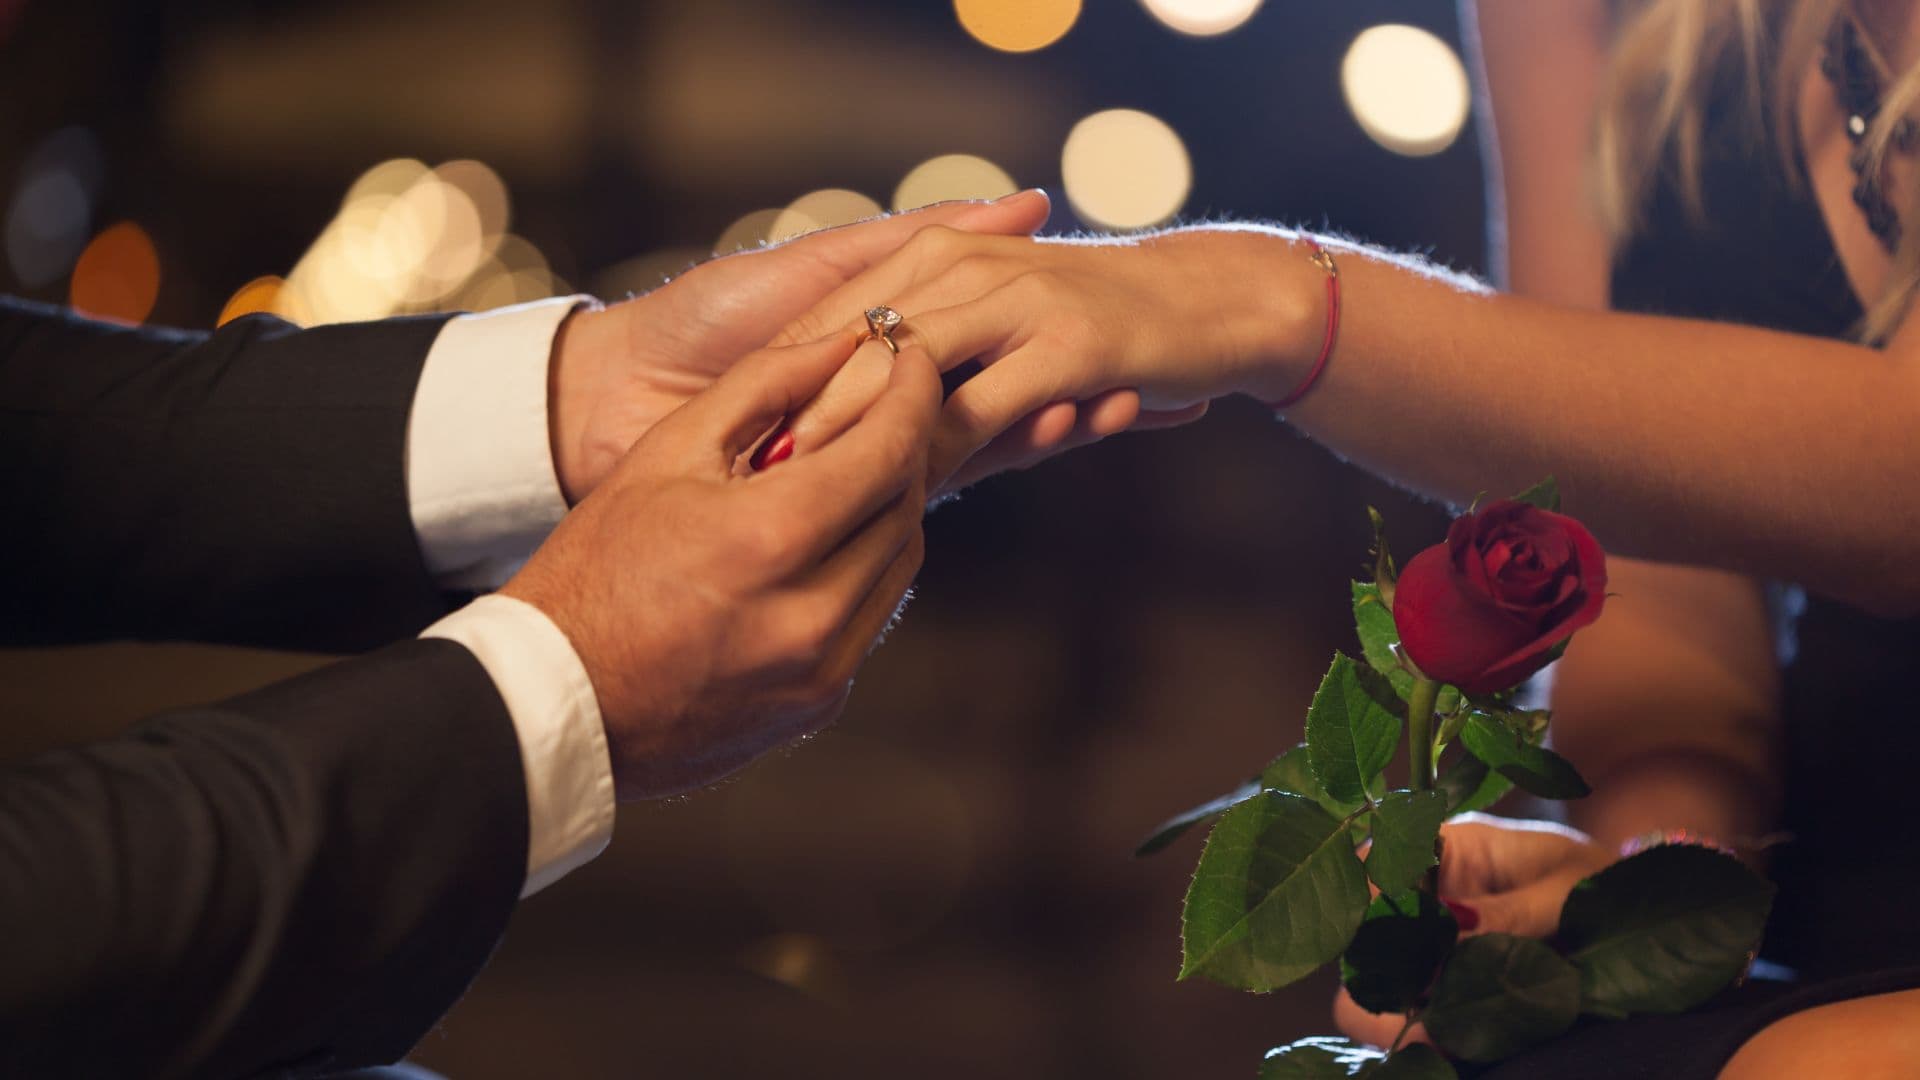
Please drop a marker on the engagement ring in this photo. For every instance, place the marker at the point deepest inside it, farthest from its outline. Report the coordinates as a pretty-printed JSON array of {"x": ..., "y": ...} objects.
[{"x": 881, "y": 323}]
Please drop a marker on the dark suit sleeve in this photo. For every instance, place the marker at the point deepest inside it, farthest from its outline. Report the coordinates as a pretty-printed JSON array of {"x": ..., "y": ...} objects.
[
  {"x": 247, "y": 486},
  {"x": 301, "y": 879}
]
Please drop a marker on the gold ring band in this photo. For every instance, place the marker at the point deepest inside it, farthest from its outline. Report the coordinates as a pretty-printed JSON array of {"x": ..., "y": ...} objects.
[{"x": 882, "y": 321}]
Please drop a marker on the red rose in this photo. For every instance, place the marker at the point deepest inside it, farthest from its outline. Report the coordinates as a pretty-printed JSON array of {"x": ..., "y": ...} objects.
[{"x": 1485, "y": 609}]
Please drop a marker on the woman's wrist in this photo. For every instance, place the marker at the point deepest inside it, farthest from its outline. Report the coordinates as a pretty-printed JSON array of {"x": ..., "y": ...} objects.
[
  {"x": 1673, "y": 794},
  {"x": 1282, "y": 304}
]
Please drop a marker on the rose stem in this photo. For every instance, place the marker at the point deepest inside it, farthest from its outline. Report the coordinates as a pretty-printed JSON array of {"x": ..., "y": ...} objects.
[
  {"x": 1420, "y": 704},
  {"x": 1420, "y": 732}
]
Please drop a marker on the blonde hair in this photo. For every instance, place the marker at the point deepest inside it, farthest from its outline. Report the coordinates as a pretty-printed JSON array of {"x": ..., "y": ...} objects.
[{"x": 1665, "y": 60}]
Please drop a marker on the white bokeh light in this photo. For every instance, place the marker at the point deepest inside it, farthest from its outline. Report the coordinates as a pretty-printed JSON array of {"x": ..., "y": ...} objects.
[
  {"x": 409, "y": 238},
  {"x": 1407, "y": 89},
  {"x": 749, "y": 231},
  {"x": 824, "y": 209},
  {"x": 1125, "y": 169},
  {"x": 1202, "y": 17},
  {"x": 952, "y": 176}
]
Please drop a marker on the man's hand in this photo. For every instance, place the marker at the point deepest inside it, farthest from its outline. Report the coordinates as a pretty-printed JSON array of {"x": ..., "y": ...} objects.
[
  {"x": 617, "y": 371},
  {"x": 721, "y": 615}
]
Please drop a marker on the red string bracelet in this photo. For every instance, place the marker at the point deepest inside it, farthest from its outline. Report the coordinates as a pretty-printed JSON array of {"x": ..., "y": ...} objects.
[{"x": 1324, "y": 260}]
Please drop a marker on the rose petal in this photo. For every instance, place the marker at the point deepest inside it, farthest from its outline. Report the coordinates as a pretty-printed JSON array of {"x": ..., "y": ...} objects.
[
  {"x": 1587, "y": 598},
  {"x": 1511, "y": 582},
  {"x": 1453, "y": 633}
]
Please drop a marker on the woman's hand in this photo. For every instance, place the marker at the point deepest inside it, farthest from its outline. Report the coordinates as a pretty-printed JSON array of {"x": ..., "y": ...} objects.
[
  {"x": 1076, "y": 339},
  {"x": 1497, "y": 874},
  {"x": 619, "y": 370}
]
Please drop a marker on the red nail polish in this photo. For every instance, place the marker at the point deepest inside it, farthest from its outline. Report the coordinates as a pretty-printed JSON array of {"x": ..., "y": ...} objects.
[
  {"x": 775, "y": 450},
  {"x": 1464, "y": 914}
]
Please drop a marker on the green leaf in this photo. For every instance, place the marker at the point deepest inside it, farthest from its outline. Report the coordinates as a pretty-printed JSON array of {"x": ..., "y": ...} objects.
[
  {"x": 1533, "y": 769},
  {"x": 1392, "y": 960},
  {"x": 1174, "y": 827},
  {"x": 1664, "y": 930},
  {"x": 1373, "y": 623},
  {"x": 1470, "y": 785},
  {"x": 1499, "y": 994},
  {"x": 1293, "y": 772},
  {"x": 1416, "y": 1062},
  {"x": 1290, "y": 772},
  {"x": 1361, "y": 829},
  {"x": 1352, "y": 728},
  {"x": 1405, "y": 825},
  {"x": 1385, "y": 575},
  {"x": 1278, "y": 892},
  {"x": 1545, "y": 495},
  {"x": 1323, "y": 1057}
]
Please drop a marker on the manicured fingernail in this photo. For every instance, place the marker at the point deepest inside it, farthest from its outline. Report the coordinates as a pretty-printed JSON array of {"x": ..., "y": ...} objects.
[
  {"x": 1019, "y": 194},
  {"x": 775, "y": 450},
  {"x": 1464, "y": 914}
]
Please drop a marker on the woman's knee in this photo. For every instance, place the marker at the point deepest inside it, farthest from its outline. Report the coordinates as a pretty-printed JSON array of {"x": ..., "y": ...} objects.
[{"x": 1863, "y": 1039}]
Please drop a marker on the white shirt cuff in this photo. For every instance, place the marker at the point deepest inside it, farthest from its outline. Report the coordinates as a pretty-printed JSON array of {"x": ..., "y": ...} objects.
[
  {"x": 563, "y": 745},
  {"x": 480, "y": 478}
]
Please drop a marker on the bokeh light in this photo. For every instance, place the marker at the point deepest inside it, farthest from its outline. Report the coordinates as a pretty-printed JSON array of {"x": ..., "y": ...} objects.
[
  {"x": 1407, "y": 89},
  {"x": 1125, "y": 169},
  {"x": 515, "y": 273},
  {"x": 46, "y": 226},
  {"x": 389, "y": 178},
  {"x": 644, "y": 273},
  {"x": 1017, "y": 25},
  {"x": 409, "y": 238},
  {"x": 952, "y": 176},
  {"x": 1202, "y": 17},
  {"x": 51, "y": 213},
  {"x": 262, "y": 294},
  {"x": 821, "y": 210},
  {"x": 802, "y": 962},
  {"x": 484, "y": 189},
  {"x": 117, "y": 276},
  {"x": 750, "y": 231}
]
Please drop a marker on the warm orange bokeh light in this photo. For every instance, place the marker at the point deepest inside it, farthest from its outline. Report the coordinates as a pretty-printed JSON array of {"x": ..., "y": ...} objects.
[
  {"x": 261, "y": 294},
  {"x": 117, "y": 276},
  {"x": 1017, "y": 25}
]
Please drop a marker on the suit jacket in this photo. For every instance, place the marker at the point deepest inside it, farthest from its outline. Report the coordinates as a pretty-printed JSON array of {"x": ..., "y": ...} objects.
[{"x": 297, "y": 880}]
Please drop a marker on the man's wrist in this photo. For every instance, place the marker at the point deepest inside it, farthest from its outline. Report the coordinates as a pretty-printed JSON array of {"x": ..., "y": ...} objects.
[
  {"x": 557, "y": 720},
  {"x": 581, "y": 347},
  {"x": 481, "y": 485}
]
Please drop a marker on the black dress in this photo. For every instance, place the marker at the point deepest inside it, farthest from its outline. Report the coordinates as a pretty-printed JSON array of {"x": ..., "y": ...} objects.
[{"x": 1845, "y": 918}]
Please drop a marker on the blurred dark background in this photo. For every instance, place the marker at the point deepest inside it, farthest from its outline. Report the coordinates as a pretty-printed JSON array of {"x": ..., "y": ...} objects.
[{"x": 942, "y": 886}]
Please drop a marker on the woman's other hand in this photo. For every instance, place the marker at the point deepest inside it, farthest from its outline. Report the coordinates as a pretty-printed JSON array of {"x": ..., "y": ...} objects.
[{"x": 1502, "y": 875}]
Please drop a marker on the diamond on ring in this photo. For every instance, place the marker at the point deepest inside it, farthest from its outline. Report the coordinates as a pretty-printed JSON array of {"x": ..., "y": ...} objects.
[{"x": 882, "y": 321}]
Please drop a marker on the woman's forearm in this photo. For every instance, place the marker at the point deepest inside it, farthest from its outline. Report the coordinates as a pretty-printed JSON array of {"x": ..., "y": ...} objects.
[
  {"x": 1687, "y": 441},
  {"x": 1713, "y": 797}
]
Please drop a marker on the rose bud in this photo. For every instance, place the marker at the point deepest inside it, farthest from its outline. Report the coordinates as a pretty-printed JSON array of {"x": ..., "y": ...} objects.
[{"x": 1486, "y": 609}]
